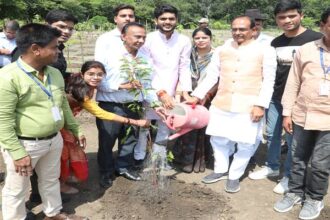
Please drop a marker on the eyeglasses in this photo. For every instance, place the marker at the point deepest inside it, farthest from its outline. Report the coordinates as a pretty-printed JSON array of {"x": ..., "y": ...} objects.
[
  {"x": 239, "y": 29},
  {"x": 97, "y": 75}
]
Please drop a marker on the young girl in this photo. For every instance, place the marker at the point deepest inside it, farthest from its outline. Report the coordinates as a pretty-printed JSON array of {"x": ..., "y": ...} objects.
[{"x": 80, "y": 89}]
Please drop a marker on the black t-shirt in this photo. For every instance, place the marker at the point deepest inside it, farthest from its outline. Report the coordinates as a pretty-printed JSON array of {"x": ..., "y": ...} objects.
[{"x": 285, "y": 49}]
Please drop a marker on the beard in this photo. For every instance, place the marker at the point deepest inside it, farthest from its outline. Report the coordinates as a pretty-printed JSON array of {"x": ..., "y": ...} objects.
[{"x": 167, "y": 30}]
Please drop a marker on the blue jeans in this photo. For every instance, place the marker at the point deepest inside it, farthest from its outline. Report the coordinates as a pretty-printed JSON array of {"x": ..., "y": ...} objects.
[
  {"x": 274, "y": 136},
  {"x": 313, "y": 146}
]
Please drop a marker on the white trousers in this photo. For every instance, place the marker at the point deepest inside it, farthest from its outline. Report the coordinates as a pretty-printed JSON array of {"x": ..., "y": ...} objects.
[
  {"x": 45, "y": 156},
  {"x": 223, "y": 148}
]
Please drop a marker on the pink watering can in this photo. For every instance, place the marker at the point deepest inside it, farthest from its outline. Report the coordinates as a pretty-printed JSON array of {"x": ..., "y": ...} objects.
[{"x": 184, "y": 118}]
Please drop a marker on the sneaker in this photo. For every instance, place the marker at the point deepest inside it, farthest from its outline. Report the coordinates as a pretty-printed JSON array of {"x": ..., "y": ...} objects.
[
  {"x": 282, "y": 187},
  {"x": 311, "y": 209},
  {"x": 232, "y": 186},
  {"x": 263, "y": 173},
  {"x": 214, "y": 177},
  {"x": 287, "y": 202}
]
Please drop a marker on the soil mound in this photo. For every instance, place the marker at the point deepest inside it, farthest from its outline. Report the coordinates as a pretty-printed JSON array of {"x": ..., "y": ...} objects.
[{"x": 178, "y": 200}]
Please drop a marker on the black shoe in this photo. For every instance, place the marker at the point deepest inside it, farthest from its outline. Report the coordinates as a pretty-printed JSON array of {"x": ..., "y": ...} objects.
[
  {"x": 138, "y": 165},
  {"x": 252, "y": 161},
  {"x": 35, "y": 198},
  {"x": 131, "y": 175},
  {"x": 2, "y": 177},
  {"x": 105, "y": 181},
  {"x": 30, "y": 216},
  {"x": 65, "y": 197}
]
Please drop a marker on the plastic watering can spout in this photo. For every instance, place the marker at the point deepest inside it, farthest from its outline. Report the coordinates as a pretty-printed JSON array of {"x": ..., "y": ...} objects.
[{"x": 179, "y": 133}]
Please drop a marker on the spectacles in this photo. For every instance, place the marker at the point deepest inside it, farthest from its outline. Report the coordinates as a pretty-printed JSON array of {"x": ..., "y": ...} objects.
[{"x": 97, "y": 75}]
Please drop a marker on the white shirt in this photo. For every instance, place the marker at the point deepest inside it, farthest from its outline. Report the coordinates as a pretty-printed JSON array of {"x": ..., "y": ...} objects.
[
  {"x": 264, "y": 39},
  {"x": 108, "y": 90},
  {"x": 170, "y": 61},
  {"x": 106, "y": 42},
  {"x": 7, "y": 44}
]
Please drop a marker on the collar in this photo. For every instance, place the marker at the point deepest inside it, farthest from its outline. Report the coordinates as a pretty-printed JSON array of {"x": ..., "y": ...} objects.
[
  {"x": 116, "y": 32},
  {"x": 163, "y": 37},
  {"x": 319, "y": 43},
  {"x": 235, "y": 44},
  {"x": 31, "y": 70}
]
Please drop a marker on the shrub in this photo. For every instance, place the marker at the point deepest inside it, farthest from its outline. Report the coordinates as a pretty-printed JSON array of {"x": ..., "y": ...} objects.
[
  {"x": 220, "y": 25},
  {"x": 309, "y": 22}
]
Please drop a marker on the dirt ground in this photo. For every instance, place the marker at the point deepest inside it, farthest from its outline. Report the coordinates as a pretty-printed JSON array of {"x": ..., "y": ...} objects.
[{"x": 183, "y": 196}]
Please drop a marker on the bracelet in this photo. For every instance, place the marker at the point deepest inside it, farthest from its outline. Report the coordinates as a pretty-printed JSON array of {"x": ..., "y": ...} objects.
[{"x": 160, "y": 93}]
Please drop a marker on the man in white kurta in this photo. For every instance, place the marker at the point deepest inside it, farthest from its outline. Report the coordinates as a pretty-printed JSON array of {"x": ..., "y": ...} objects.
[
  {"x": 170, "y": 55},
  {"x": 247, "y": 71}
]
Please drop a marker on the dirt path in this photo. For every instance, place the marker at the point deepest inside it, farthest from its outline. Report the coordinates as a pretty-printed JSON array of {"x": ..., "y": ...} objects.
[{"x": 185, "y": 197}]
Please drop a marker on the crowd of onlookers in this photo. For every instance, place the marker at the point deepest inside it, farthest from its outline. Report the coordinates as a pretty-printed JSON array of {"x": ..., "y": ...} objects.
[{"x": 252, "y": 84}]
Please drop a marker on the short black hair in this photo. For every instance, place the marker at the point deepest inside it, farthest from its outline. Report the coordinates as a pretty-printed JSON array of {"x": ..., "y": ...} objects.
[
  {"x": 60, "y": 15},
  {"x": 11, "y": 25},
  {"x": 252, "y": 22},
  {"x": 325, "y": 15},
  {"x": 205, "y": 30},
  {"x": 122, "y": 7},
  {"x": 34, "y": 33},
  {"x": 131, "y": 24},
  {"x": 286, "y": 5},
  {"x": 161, "y": 9}
]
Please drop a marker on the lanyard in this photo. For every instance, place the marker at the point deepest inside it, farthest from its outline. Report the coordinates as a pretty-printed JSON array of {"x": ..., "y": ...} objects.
[
  {"x": 48, "y": 93},
  {"x": 326, "y": 70}
]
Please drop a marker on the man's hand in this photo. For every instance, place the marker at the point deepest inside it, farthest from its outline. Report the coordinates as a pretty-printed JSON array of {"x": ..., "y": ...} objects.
[
  {"x": 167, "y": 101},
  {"x": 187, "y": 98},
  {"x": 161, "y": 112},
  {"x": 5, "y": 51},
  {"x": 141, "y": 122},
  {"x": 23, "y": 166},
  {"x": 131, "y": 85},
  {"x": 192, "y": 100},
  {"x": 82, "y": 142},
  {"x": 257, "y": 113},
  {"x": 287, "y": 124}
]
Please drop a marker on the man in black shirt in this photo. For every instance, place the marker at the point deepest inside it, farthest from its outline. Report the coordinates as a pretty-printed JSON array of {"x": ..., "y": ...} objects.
[
  {"x": 64, "y": 22},
  {"x": 288, "y": 15}
]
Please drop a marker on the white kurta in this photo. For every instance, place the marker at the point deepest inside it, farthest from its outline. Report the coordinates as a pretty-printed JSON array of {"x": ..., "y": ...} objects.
[{"x": 237, "y": 127}]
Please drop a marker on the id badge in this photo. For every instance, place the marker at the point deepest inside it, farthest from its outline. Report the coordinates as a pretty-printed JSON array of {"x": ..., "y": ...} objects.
[{"x": 56, "y": 114}]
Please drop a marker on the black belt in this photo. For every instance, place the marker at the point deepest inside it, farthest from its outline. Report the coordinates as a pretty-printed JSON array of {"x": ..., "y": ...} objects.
[{"x": 38, "y": 138}]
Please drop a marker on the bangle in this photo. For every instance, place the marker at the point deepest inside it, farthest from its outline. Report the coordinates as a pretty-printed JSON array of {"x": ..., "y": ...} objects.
[
  {"x": 160, "y": 93},
  {"x": 127, "y": 121}
]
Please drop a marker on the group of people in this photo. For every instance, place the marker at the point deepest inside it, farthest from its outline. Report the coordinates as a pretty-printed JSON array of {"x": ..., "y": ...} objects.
[{"x": 250, "y": 82}]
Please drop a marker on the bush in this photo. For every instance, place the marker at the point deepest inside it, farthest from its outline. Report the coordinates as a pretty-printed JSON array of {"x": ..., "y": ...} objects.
[
  {"x": 98, "y": 21},
  {"x": 220, "y": 25},
  {"x": 309, "y": 22},
  {"x": 95, "y": 23}
]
